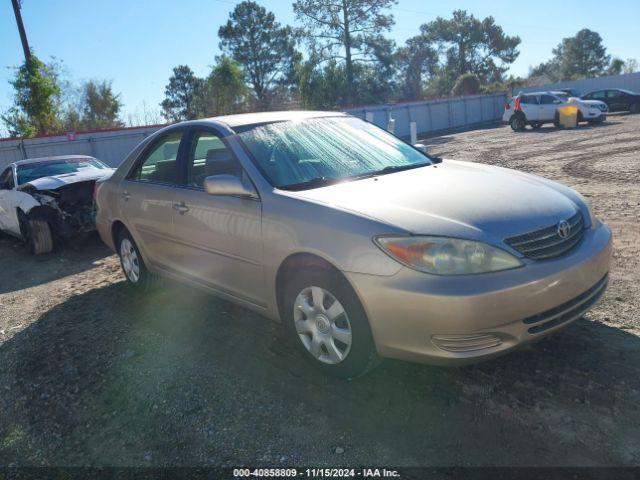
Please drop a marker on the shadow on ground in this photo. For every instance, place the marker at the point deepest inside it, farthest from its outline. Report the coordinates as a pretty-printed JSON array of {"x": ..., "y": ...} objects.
[
  {"x": 29, "y": 270},
  {"x": 177, "y": 377}
]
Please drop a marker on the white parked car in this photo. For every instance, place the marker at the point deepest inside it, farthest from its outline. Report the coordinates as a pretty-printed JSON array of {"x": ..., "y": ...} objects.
[
  {"x": 43, "y": 198},
  {"x": 537, "y": 108}
]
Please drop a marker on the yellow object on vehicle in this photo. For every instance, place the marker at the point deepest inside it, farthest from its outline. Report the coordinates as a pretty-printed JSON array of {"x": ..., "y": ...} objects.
[{"x": 568, "y": 116}]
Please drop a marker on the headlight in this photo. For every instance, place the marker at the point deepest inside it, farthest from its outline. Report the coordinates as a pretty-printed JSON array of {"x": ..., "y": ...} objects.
[{"x": 446, "y": 256}]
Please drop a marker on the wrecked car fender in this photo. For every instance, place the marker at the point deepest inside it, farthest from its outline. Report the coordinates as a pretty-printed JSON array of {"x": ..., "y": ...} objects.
[{"x": 10, "y": 202}]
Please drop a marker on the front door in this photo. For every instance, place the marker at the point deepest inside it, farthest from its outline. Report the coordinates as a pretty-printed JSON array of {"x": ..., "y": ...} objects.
[
  {"x": 548, "y": 107},
  {"x": 147, "y": 199},
  {"x": 218, "y": 239}
]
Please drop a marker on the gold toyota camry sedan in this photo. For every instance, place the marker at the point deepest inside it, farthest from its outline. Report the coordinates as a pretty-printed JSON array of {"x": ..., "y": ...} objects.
[{"x": 364, "y": 246}]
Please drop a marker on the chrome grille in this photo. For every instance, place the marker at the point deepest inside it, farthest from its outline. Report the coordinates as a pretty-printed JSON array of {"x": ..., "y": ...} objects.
[
  {"x": 567, "y": 311},
  {"x": 546, "y": 242}
]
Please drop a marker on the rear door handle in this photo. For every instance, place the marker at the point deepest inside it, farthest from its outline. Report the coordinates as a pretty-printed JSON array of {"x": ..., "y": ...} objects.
[
  {"x": 181, "y": 208},
  {"x": 126, "y": 196}
]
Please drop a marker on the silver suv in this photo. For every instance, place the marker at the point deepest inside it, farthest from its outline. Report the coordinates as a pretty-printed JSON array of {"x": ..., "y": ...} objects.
[{"x": 361, "y": 244}]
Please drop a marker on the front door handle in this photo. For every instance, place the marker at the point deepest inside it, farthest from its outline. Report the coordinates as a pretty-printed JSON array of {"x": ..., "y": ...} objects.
[
  {"x": 181, "y": 208},
  {"x": 126, "y": 196}
]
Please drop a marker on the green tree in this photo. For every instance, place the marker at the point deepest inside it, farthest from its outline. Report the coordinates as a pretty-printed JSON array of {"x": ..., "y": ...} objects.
[
  {"x": 36, "y": 100},
  {"x": 630, "y": 66},
  {"x": 180, "y": 95},
  {"x": 467, "y": 84},
  {"x": 580, "y": 56},
  {"x": 224, "y": 90},
  {"x": 417, "y": 61},
  {"x": 471, "y": 45},
  {"x": 263, "y": 47},
  {"x": 349, "y": 31},
  {"x": 101, "y": 106}
]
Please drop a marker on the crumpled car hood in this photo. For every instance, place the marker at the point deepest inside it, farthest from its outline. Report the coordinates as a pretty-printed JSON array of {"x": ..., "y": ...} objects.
[
  {"x": 453, "y": 198},
  {"x": 57, "y": 181}
]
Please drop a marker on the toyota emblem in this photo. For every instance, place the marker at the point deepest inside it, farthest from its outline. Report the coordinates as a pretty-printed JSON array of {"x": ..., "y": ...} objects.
[{"x": 564, "y": 229}]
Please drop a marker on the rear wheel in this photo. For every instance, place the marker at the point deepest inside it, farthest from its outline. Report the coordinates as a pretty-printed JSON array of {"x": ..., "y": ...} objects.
[
  {"x": 517, "y": 123},
  {"x": 133, "y": 267},
  {"x": 328, "y": 323},
  {"x": 556, "y": 120},
  {"x": 634, "y": 108}
]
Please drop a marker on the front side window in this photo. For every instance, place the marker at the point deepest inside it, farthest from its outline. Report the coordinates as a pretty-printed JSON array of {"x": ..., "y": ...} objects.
[
  {"x": 312, "y": 152},
  {"x": 208, "y": 155},
  {"x": 613, "y": 94},
  {"x": 529, "y": 100},
  {"x": 160, "y": 164},
  {"x": 549, "y": 100},
  {"x": 6, "y": 179},
  {"x": 29, "y": 172},
  {"x": 597, "y": 95}
]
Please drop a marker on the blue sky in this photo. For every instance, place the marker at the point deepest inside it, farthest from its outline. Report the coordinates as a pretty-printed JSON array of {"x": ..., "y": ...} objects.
[{"x": 136, "y": 43}]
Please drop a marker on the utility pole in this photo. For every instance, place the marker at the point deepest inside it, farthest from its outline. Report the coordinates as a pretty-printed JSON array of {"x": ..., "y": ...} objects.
[{"x": 23, "y": 34}]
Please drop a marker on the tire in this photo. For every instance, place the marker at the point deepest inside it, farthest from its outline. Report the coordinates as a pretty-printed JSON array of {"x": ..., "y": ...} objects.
[
  {"x": 334, "y": 335},
  {"x": 556, "y": 120},
  {"x": 580, "y": 117},
  {"x": 133, "y": 267},
  {"x": 517, "y": 123},
  {"x": 634, "y": 108},
  {"x": 536, "y": 126},
  {"x": 39, "y": 237}
]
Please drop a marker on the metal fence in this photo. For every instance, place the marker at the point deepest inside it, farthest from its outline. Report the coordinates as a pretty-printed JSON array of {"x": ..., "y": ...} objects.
[
  {"x": 629, "y": 81},
  {"x": 429, "y": 117},
  {"x": 110, "y": 146},
  {"x": 435, "y": 116}
]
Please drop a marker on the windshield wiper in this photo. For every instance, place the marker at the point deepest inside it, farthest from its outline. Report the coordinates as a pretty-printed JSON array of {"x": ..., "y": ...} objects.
[
  {"x": 312, "y": 183},
  {"x": 399, "y": 168}
]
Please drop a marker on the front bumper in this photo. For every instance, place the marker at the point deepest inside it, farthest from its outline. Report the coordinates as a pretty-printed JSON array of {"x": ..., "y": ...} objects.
[{"x": 464, "y": 319}]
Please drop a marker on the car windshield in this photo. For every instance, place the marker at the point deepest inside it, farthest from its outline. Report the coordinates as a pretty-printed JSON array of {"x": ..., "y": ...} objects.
[
  {"x": 314, "y": 152},
  {"x": 32, "y": 171}
]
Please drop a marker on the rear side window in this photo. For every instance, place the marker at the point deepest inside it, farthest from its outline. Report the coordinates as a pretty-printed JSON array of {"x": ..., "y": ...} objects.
[
  {"x": 597, "y": 95},
  {"x": 160, "y": 164},
  {"x": 613, "y": 94}
]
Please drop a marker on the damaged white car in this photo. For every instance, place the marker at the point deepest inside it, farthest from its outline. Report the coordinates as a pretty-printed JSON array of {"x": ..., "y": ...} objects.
[{"x": 42, "y": 199}]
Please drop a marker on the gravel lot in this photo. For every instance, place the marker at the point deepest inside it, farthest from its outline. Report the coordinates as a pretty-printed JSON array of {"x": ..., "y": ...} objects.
[{"x": 93, "y": 374}]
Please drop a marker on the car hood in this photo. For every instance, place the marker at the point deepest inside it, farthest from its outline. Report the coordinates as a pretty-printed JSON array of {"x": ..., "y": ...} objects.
[
  {"x": 453, "y": 198},
  {"x": 56, "y": 181}
]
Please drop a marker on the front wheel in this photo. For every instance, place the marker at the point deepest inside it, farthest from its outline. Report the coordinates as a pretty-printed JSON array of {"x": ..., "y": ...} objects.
[
  {"x": 329, "y": 325},
  {"x": 39, "y": 237}
]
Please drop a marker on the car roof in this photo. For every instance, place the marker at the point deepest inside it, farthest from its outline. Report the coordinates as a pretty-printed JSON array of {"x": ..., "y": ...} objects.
[
  {"x": 54, "y": 158},
  {"x": 242, "y": 119}
]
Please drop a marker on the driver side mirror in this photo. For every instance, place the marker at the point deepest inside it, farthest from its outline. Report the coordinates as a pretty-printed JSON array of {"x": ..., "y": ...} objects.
[{"x": 228, "y": 185}]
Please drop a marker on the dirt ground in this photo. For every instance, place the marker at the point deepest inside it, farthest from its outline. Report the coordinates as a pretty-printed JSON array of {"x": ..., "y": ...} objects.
[{"x": 93, "y": 374}]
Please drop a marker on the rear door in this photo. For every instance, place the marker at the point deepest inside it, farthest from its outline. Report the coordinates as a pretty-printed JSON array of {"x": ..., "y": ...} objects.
[
  {"x": 147, "y": 198},
  {"x": 529, "y": 106}
]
